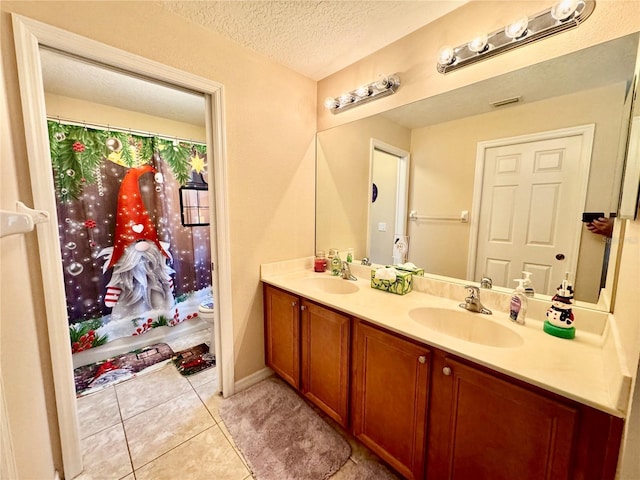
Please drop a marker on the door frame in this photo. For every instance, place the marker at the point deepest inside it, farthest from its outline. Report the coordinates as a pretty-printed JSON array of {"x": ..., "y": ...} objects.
[
  {"x": 29, "y": 35},
  {"x": 585, "y": 131},
  {"x": 402, "y": 182}
]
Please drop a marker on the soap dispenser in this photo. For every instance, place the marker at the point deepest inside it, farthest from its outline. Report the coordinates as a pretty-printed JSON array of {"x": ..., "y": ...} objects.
[
  {"x": 529, "y": 291},
  {"x": 336, "y": 262},
  {"x": 518, "y": 304}
]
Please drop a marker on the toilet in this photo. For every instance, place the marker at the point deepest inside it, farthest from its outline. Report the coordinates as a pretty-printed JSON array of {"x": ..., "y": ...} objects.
[{"x": 205, "y": 311}]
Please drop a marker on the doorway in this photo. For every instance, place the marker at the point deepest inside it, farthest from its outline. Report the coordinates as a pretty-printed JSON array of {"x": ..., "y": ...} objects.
[
  {"x": 547, "y": 171},
  {"x": 30, "y": 36},
  {"x": 389, "y": 179}
]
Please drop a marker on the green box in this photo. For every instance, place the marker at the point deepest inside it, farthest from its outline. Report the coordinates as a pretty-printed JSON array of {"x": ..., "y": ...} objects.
[
  {"x": 402, "y": 285},
  {"x": 417, "y": 271}
]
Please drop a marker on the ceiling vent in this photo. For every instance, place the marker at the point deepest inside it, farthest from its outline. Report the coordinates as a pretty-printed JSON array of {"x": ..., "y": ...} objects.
[{"x": 506, "y": 101}]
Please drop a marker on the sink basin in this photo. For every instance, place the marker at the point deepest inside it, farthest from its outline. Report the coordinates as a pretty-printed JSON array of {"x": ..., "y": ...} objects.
[
  {"x": 331, "y": 285},
  {"x": 467, "y": 326}
]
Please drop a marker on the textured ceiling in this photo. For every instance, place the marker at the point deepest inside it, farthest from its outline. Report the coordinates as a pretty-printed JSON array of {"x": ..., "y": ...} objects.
[{"x": 314, "y": 38}]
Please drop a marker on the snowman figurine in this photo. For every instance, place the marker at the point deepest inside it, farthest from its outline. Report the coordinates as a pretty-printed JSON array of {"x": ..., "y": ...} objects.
[{"x": 559, "y": 315}]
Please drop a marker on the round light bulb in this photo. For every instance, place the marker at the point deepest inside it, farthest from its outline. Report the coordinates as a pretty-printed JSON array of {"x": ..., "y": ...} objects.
[
  {"x": 564, "y": 9},
  {"x": 479, "y": 44},
  {"x": 346, "y": 98},
  {"x": 393, "y": 80},
  {"x": 517, "y": 29},
  {"x": 446, "y": 56},
  {"x": 363, "y": 91},
  {"x": 382, "y": 83},
  {"x": 330, "y": 103}
]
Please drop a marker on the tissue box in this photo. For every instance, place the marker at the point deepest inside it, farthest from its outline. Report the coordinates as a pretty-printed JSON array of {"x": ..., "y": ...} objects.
[
  {"x": 417, "y": 271},
  {"x": 402, "y": 285}
]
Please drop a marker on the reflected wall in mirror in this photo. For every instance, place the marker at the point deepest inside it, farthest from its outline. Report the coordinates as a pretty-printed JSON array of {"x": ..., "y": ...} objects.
[{"x": 443, "y": 134}]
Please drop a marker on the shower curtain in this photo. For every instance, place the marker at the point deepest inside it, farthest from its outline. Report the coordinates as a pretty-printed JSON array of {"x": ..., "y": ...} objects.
[{"x": 128, "y": 263}]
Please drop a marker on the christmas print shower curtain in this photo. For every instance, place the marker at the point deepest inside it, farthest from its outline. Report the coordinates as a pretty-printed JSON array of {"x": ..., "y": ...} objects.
[{"x": 129, "y": 265}]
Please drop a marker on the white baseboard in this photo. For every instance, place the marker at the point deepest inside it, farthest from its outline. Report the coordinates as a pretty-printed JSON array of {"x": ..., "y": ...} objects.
[{"x": 252, "y": 379}]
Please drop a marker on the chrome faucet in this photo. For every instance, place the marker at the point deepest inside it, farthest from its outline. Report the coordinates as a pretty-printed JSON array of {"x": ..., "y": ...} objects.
[
  {"x": 345, "y": 271},
  {"x": 472, "y": 302}
]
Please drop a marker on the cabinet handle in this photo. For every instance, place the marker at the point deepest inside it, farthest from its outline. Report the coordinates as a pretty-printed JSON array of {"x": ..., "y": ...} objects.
[
  {"x": 446, "y": 371},
  {"x": 303, "y": 307},
  {"x": 294, "y": 303},
  {"x": 422, "y": 359}
]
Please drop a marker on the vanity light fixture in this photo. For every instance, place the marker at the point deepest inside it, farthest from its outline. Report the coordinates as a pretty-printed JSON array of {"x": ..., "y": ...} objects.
[
  {"x": 384, "y": 86},
  {"x": 563, "y": 15}
]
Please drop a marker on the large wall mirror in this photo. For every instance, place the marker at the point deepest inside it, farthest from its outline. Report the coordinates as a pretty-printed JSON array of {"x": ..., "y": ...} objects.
[{"x": 525, "y": 154}]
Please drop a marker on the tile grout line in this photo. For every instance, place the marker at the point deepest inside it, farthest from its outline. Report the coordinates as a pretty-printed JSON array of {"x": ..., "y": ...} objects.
[
  {"x": 215, "y": 424},
  {"x": 124, "y": 431},
  {"x": 180, "y": 444},
  {"x": 233, "y": 446}
]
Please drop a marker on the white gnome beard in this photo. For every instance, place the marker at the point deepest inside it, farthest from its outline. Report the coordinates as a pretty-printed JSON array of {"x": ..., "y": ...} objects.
[{"x": 144, "y": 280}]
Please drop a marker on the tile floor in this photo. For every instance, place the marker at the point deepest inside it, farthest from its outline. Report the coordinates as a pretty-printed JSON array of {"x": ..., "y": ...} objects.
[{"x": 161, "y": 425}]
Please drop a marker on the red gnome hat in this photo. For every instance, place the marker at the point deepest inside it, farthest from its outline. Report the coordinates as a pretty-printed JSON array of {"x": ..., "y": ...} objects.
[{"x": 132, "y": 219}]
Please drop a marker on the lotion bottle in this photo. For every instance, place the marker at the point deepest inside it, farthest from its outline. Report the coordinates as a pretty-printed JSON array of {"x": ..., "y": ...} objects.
[
  {"x": 518, "y": 304},
  {"x": 528, "y": 285},
  {"x": 336, "y": 263}
]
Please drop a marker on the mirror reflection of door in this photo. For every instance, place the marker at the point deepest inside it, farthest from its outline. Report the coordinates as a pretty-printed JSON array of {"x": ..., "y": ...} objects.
[
  {"x": 388, "y": 201},
  {"x": 533, "y": 196}
]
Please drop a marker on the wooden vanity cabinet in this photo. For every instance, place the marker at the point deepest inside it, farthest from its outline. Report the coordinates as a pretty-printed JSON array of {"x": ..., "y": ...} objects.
[
  {"x": 487, "y": 427},
  {"x": 282, "y": 333},
  {"x": 390, "y": 391},
  {"x": 483, "y": 427},
  {"x": 325, "y": 348},
  {"x": 426, "y": 412},
  {"x": 308, "y": 345}
]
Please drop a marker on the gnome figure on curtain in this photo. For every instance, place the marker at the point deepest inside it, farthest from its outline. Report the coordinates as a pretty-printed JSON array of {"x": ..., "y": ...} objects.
[{"x": 141, "y": 279}]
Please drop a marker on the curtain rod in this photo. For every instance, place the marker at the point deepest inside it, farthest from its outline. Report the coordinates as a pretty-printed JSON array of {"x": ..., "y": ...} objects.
[{"x": 131, "y": 131}]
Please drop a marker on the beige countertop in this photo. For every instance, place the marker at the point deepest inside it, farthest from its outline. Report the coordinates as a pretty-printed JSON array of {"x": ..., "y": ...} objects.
[{"x": 585, "y": 369}]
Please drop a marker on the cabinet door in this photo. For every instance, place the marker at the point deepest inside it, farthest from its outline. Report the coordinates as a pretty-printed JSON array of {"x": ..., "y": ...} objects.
[
  {"x": 483, "y": 427},
  {"x": 391, "y": 383},
  {"x": 325, "y": 359},
  {"x": 282, "y": 334}
]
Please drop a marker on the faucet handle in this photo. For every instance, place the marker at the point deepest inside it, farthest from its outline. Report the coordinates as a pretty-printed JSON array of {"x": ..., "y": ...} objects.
[{"x": 474, "y": 292}]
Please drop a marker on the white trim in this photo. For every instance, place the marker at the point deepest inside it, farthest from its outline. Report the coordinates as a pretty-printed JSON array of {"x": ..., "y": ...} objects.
[
  {"x": 587, "y": 134},
  {"x": 402, "y": 181},
  {"x": 252, "y": 379},
  {"x": 221, "y": 243},
  {"x": 630, "y": 196},
  {"x": 29, "y": 35}
]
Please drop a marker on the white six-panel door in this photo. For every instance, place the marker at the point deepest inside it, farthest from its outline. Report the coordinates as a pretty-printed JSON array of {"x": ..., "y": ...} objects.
[{"x": 531, "y": 203}]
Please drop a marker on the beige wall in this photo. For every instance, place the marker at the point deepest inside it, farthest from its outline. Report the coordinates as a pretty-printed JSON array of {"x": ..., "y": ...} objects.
[
  {"x": 270, "y": 125},
  {"x": 84, "y": 111},
  {"x": 443, "y": 169},
  {"x": 627, "y": 318}
]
